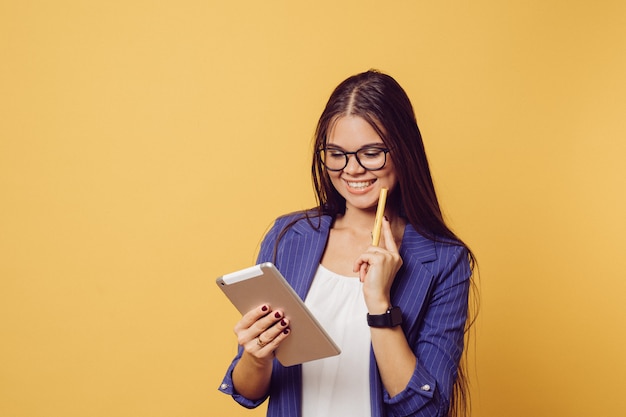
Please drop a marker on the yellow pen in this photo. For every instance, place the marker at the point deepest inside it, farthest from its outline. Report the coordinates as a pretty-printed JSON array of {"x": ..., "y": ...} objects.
[{"x": 380, "y": 212}]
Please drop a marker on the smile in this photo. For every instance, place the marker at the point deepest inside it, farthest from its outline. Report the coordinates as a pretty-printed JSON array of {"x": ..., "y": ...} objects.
[{"x": 359, "y": 185}]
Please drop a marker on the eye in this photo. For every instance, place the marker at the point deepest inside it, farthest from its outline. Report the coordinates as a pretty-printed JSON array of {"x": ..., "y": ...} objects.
[
  {"x": 370, "y": 153},
  {"x": 334, "y": 153}
]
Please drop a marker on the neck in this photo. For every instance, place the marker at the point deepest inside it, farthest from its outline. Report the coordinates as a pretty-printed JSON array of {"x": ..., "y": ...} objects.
[{"x": 358, "y": 219}]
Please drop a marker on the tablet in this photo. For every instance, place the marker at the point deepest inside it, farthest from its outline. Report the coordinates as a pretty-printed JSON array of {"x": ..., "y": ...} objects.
[{"x": 251, "y": 287}]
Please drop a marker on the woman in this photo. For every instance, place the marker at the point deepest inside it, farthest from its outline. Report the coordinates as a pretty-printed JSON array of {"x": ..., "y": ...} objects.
[{"x": 412, "y": 288}]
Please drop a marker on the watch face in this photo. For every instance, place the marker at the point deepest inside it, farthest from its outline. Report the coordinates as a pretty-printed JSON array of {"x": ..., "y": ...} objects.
[{"x": 395, "y": 316}]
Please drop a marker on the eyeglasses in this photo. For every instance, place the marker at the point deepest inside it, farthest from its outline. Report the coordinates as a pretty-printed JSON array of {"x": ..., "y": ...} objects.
[{"x": 371, "y": 158}]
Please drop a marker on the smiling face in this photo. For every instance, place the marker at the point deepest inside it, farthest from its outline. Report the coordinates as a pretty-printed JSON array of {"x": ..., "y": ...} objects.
[{"x": 358, "y": 186}]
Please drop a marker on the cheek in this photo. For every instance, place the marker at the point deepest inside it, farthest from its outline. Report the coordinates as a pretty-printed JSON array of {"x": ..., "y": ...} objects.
[
  {"x": 334, "y": 179},
  {"x": 388, "y": 174},
  {"x": 333, "y": 175}
]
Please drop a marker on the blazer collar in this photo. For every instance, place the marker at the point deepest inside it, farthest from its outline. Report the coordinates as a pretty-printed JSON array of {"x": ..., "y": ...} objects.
[
  {"x": 415, "y": 248},
  {"x": 321, "y": 226}
]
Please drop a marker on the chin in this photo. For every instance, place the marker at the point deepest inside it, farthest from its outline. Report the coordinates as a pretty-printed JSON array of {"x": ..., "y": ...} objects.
[{"x": 362, "y": 205}]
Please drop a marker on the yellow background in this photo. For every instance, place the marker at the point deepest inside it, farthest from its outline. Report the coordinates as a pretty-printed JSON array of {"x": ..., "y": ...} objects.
[{"x": 146, "y": 146}]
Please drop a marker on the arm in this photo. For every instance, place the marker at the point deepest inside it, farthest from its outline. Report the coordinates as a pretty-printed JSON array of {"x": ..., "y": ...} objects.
[
  {"x": 248, "y": 377},
  {"x": 418, "y": 365},
  {"x": 378, "y": 267},
  {"x": 437, "y": 338}
]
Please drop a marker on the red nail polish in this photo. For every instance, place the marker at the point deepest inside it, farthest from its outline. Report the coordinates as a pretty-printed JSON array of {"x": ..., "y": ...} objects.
[
  {"x": 264, "y": 308},
  {"x": 283, "y": 323},
  {"x": 277, "y": 315},
  {"x": 286, "y": 331}
]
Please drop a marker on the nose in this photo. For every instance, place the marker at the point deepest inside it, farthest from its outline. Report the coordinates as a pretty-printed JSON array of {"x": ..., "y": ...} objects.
[{"x": 353, "y": 166}]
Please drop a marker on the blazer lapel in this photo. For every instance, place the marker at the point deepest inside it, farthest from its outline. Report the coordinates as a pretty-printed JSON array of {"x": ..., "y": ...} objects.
[
  {"x": 307, "y": 247},
  {"x": 416, "y": 247}
]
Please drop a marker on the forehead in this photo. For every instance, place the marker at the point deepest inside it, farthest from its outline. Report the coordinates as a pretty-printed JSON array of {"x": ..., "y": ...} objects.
[{"x": 352, "y": 132}]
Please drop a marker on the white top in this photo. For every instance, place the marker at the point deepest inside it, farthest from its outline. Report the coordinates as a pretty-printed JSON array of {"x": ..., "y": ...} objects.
[{"x": 338, "y": 386}]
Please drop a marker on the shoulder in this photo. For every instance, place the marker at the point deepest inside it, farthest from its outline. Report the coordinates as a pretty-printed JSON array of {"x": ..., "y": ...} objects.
[
  {"x": 302, "y": 222},
  {"x": 428, "y": 249},
  {"x": 440, "y": 256},
  {"x": 295, "y": 239}
]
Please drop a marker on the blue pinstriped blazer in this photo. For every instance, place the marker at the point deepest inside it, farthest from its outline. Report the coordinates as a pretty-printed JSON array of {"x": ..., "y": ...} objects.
[{"x": 431, "y": 288}]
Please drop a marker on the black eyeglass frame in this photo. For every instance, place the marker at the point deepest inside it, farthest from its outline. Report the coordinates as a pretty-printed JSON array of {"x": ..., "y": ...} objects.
[{"x": 356, "y": 156}]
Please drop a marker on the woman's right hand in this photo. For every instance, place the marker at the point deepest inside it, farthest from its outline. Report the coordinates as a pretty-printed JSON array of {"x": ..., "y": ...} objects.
[{"x": 260, "y": 332}]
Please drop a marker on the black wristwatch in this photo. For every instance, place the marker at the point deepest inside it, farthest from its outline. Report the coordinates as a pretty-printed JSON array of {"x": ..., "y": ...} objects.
[{"x": 392, "y": 318}]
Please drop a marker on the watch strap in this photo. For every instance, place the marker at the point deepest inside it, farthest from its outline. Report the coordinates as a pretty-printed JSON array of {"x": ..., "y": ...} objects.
[{"x": 391, "y": 318}]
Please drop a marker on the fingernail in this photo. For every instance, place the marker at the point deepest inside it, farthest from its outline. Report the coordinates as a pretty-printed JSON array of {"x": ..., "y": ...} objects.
[
  {"x": 283, "y": 323},
  {"x": 277, "y": 315},
  {"x": 264, "y": 308},
  {"x": 286, "y": 331}
]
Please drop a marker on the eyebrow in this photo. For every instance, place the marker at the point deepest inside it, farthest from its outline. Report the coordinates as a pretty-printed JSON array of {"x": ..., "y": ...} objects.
[{"x": 369, "y": 145}]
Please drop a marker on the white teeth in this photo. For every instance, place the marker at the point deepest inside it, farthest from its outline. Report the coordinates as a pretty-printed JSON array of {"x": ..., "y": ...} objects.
[{"x": 360, "y": 184}]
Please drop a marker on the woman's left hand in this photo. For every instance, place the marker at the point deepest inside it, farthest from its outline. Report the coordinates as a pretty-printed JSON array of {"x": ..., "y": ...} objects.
[{"x": 377, "y": 268}]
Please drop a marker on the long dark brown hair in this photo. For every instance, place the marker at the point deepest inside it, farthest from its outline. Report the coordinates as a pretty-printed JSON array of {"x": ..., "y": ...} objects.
[{"x": 383, "y": 103}]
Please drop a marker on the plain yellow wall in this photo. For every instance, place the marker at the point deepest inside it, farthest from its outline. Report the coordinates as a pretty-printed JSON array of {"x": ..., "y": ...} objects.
[{"x": 146, "y": 146}]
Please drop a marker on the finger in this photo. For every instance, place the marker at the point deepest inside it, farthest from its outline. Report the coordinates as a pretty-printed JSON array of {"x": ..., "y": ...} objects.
[
  {"x": 373, "y": 256},
  {"x": 252, "y": 317},
  {"x": 275, "y": 331},
  {"x": 277, "y": 340},
  {"x": 362, "y": 270},
  {"x": 266, "y": 322},
  {"x": 360, "y": 265},
  {"x": 247, "y": 332},
  {"x": 272, "y": 336},
  {"x": 389, "y": 242}
]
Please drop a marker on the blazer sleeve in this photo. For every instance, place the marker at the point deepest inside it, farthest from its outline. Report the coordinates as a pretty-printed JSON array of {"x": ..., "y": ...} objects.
[{"x": 437, "y": 340}]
